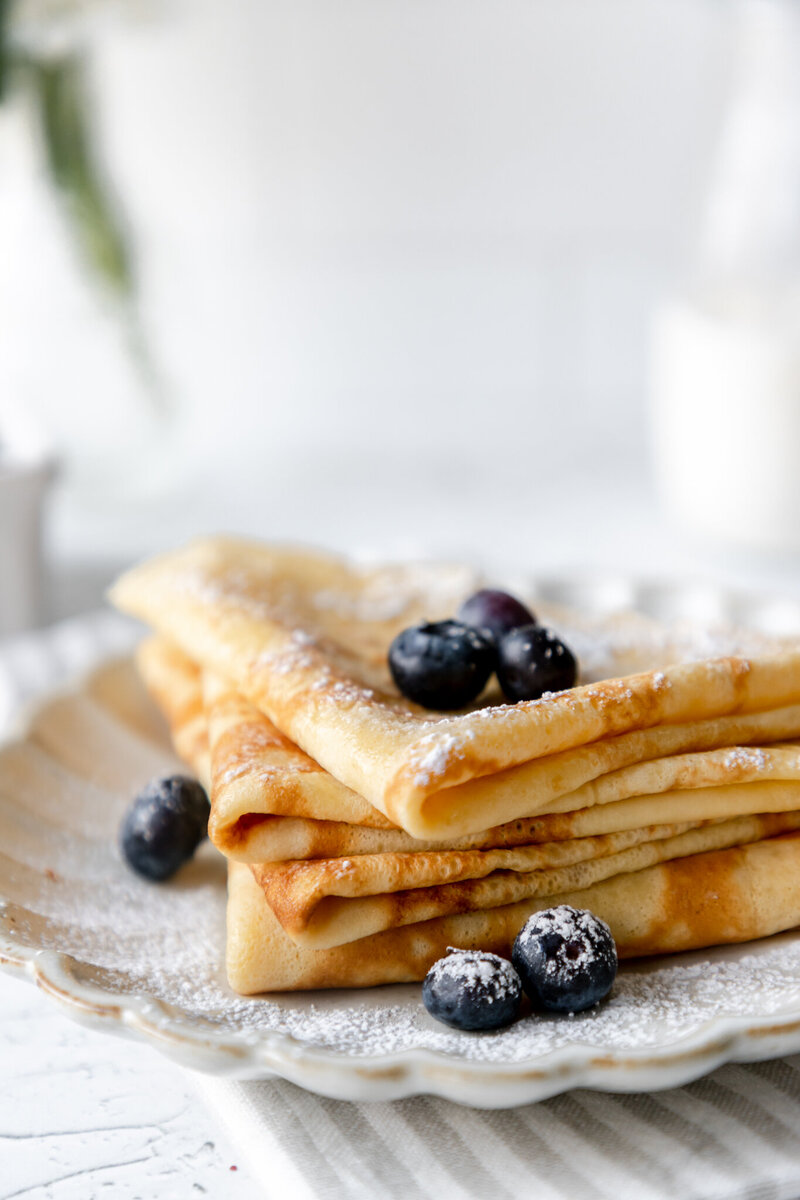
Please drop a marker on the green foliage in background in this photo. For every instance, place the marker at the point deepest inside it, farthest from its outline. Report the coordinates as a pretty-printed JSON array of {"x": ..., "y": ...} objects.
[
  {"x": 5, "y": 15},
  {"x": 57, "y": 87},
  {"x": 61, "y": 101}
]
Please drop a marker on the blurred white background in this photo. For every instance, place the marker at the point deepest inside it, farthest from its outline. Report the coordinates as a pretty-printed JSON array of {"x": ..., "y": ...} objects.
[{"x": 397, "y": 264}]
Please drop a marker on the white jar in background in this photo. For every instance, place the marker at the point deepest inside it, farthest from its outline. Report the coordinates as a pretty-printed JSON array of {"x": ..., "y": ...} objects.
[
  {"x": 726, "y": 415},
  {"x": 725, "y": 366},
  {"x": 25, "y": 474}
]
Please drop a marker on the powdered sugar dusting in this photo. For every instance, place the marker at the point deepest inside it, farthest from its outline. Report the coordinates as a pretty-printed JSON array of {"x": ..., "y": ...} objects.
[
  {"x": 746, "y": 759},
  {"x": 232, "y": 586},
  {"x": 385, "y": 607},
  {"x": 286, "y": 660},
  {"x": 627, "y": 642},
  {"x": 434, "y": 752},
  {"x": 478, "y": 972},
  {"x": 345, "y": 692},
  {"x": 389, "y": 592}
]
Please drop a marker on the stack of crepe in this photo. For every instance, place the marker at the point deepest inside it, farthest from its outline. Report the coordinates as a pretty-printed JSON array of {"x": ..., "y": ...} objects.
[{"x": 365, "y": 834}]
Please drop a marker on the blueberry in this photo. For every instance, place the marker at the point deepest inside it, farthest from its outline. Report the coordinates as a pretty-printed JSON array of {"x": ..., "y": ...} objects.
[
  {"x": 442, "y": 665},
  {"x": 494, "y": 613},
  {"x": 472, "y": 989},
  {"x": 531, "y": 660},
  {"x": 164, "y": 826},
  {"x": 566, "y": 959}
]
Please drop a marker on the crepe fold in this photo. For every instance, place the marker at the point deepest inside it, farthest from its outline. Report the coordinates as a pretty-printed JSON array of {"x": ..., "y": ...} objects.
[
  {"x": 303, "y": 638},
  {"x": 715, "y": 898}
]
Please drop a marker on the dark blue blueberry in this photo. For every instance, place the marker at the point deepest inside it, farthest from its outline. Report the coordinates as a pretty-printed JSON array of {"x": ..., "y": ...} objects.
[
  {"x": 443, "y": 665},
  {"x": 531, "y": 660},
  {"x": 566, "y": 959},
  {"x": 494, "y": 613},
  {"x": 164, "y": 826},
  {"x": 472, "y": 989}
]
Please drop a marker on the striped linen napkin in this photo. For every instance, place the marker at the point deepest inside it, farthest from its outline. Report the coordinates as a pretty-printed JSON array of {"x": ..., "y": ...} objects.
[{"x": 734, "y": 1135}]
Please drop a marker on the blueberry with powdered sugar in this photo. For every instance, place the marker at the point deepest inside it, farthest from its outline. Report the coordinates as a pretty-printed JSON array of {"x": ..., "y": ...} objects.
[
  {"x": 472, "y": 989},
  {"x": 566, "y": 959},
  {"x": 441, "y": 664},
  {"x": 532, "y": 660}
]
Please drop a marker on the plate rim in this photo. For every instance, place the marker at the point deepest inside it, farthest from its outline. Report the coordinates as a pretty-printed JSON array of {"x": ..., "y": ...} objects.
[{"x": 404, "y": 1073}]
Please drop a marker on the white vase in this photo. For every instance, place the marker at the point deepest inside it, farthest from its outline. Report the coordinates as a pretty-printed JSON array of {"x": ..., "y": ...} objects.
[{"x": 725, "y": 381}]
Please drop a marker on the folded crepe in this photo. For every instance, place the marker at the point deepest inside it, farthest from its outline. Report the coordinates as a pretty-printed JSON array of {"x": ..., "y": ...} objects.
[
  {"x": 262, "y": 787},
  {"x": 258, "y": 775},
  {"x": 304, "y": 637},
  {"x": 708, "y": 899}
]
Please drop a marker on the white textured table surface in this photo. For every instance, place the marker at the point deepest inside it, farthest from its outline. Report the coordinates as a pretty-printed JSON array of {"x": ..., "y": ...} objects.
[{"x": 84, "y": 1115}]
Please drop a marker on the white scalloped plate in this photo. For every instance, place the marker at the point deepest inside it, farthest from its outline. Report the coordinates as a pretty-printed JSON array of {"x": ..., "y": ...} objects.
[{"x": 147, "y": 960}]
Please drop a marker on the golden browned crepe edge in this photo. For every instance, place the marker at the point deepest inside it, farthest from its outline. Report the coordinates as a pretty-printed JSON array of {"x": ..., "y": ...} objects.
[
  {"x": 722, "y": 897},
  {"x": 326, "y": 904},
  {"x": 266, "y": 839}
]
